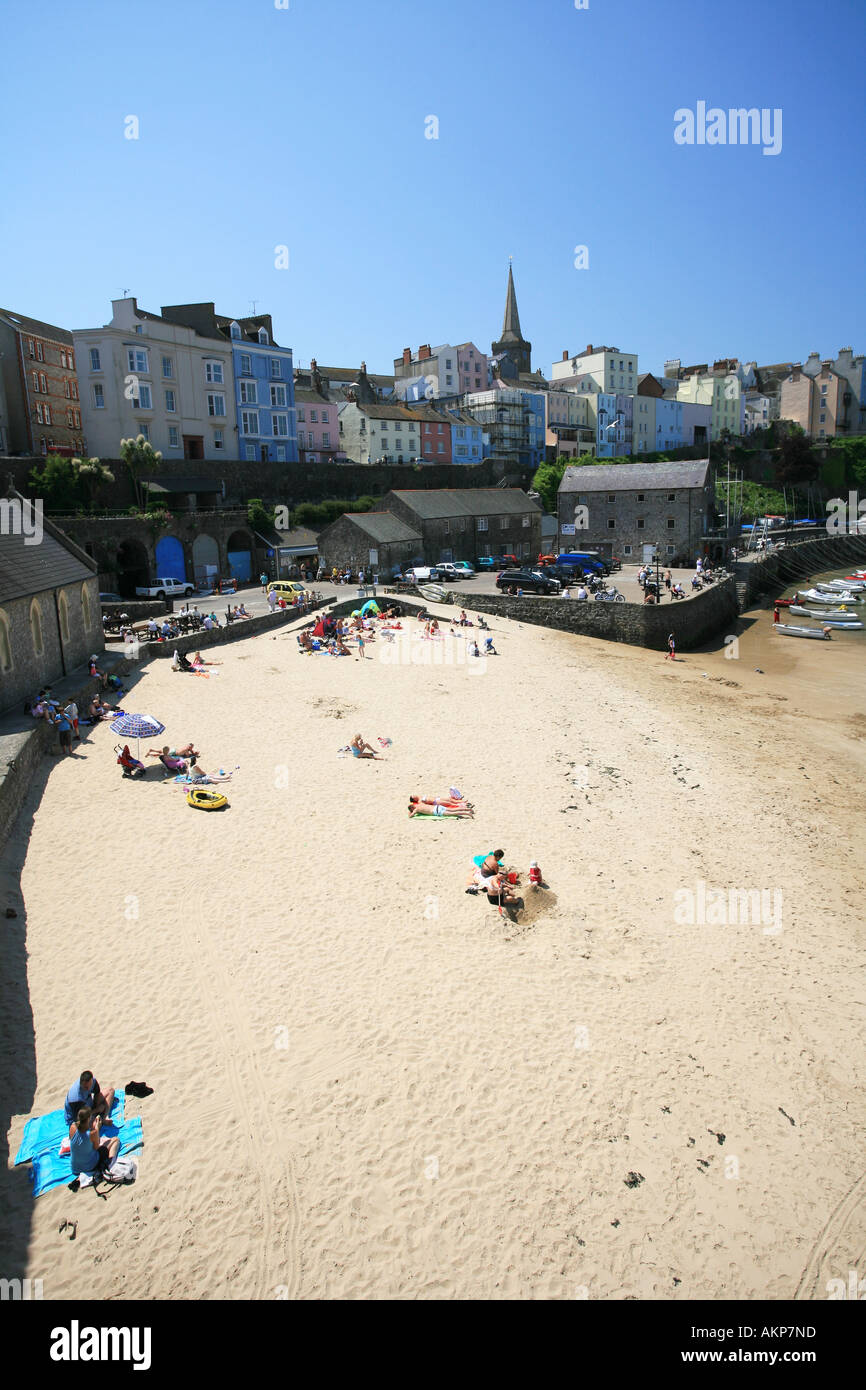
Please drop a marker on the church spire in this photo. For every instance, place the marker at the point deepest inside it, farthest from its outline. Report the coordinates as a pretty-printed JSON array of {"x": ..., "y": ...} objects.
[
  {"x": 512, "y": 343},
  {"x": 511, "y": 321}
]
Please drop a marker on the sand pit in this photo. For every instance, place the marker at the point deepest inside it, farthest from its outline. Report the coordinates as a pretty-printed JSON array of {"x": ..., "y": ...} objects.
[{"x": 370, "y": 1085}]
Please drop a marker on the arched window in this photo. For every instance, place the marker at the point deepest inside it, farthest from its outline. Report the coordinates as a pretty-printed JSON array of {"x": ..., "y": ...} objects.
[
  {"x": 5, "y": 644},
  {"x": 36, "y": 626},
  {"x": 263, "y": 335},
  {"x": 63, "y": 610},
  {"x": 235, "y": 329},
  {"x": 86, "y": 608}
]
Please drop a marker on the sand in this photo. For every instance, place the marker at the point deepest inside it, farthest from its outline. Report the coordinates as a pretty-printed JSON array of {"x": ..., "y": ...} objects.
[{"x": 367, "y": 1083}]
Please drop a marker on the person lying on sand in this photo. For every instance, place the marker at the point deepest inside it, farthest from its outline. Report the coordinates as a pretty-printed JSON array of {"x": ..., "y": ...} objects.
[
  {"x": 458, "y": 802},
  {"x": 420, "y": 808},
  {"x": 198, "y": 660},
  {"x": 361, "y": 749}
]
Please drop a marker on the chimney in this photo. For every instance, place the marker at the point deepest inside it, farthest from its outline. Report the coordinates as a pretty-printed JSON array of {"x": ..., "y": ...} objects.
[
  {"x": 313, "y": 364},
  {"x": 423, "y": 351},
  {"x": 589, "y": 347},
  {"x": 407, "y": 355},
  {"x": 364, "y": 368},
  {"x": 795, "y": 371},
  {"x": 565, "y": 354}
]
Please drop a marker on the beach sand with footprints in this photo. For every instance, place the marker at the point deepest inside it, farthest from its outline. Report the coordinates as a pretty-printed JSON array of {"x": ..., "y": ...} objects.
[{"x": 368, "y": 1084}]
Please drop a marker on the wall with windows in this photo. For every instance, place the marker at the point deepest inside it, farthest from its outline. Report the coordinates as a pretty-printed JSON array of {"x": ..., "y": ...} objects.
[
  {"x": 265, "y": 401},
  {"x": 675, "y": 520},
  {"x": 32, "y": 630}
]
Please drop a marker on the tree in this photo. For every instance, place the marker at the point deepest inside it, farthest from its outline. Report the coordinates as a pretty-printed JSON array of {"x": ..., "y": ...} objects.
[
  {"x": 139, "y": 456},
  {"x": 259, "y": 516},
  {"x": 796, "y": 462},
  {"x": 93, "y": 475},
  {"x": 546, "y": 481},
  {"x": 57, "y": 483}
]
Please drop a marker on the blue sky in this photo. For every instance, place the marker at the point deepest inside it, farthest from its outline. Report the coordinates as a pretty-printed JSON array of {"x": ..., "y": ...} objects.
[{"x": 305, "y": 127}]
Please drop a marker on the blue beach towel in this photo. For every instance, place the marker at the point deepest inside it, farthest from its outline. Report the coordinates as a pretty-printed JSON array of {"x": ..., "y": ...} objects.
[{"x": 43, "y": 1136}]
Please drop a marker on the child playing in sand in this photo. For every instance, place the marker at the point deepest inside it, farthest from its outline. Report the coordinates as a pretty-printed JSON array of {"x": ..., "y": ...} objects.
[{"x": 536, "y": 877}]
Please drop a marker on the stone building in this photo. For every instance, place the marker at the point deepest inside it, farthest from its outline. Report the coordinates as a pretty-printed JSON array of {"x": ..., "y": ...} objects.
[
  {"x": 378, "y": 541},
  {"x": 621, "y": 508},
  {"x": 40, "y": 410},
  {"x": 50, "y": 616},
  {"x": 470, "y": 523}
]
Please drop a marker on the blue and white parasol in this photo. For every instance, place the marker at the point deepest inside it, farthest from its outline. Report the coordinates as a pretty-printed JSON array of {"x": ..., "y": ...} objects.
[{"x": 137, "y": 726}]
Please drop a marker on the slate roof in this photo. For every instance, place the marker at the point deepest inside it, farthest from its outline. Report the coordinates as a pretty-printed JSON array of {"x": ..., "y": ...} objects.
[
  {"x": 31, "y": 569},
  {"x": 627, "y": 477},
  {"x": 35, "y": 326},
  {"x": 431, "y": 504},
  {"x": 352, "y": 374},
  {"x": 380, "y": 526}
]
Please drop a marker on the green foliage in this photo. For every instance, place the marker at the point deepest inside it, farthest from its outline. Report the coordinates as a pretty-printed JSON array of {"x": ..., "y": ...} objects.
[
  {"x": 756, "y": 500},
  {"x": 57, "y": 483},
  {"x": 259, "y": 516},
  {"x": 140, "y": 457},
  {"x": 796, "y": 462},
  {"x": 319, "y": 514},
  {"x": 546, "y": 481},
  {"x": 853, "y": 454}
]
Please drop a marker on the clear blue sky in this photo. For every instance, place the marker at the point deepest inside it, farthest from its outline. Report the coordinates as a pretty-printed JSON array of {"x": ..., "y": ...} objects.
[{"x": 305, "y": 127}]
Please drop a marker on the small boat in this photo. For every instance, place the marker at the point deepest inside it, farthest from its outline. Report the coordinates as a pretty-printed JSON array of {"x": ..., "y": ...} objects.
[
  {"x": 831, "y": 597},
  {"x": 782, "y": 602},
  {"x": 833, "y": 585},
  {"x": 791, "y": 631},
  {"x": 827, "y": 621},
  {"x": 826, "y": 615}
]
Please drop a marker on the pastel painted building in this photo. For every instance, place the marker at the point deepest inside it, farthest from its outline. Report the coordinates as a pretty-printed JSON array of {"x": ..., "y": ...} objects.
[
  {"x": 571, "y": 424},
  {"x": 264, "y": 386},
  {"x": 852, "y": 418},
  {"x": 371, "y": 433},
  {"x": 472, "y": 368},
  {"x": 467, "y": 437},
  {"x": 610, "y": 369},
  {"x": 318, "y": 426},
  {"x": 614, "y": 424}
]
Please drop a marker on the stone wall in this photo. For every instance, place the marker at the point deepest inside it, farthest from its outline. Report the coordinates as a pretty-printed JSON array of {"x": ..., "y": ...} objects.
[
  {"x": 31, "y": 668},
  {"x": 692, "y": 620},
  {"x": 762, "y": 578},
  {"x": 222, "y": 636}
]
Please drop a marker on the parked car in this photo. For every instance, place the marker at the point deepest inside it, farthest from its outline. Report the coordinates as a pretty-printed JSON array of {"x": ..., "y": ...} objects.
[
  {"x": 417, "y": 573},
  {"x": 166, "y": 588},
  {"x": 287, "y": 589},
  {"x": 110, "y": 598},
  {"x": 445, "y": 571},
  {"x": 487, "y": 563},
  {"x": 467, "y": 571},
  {"x": 507, "y": 562},
  {"x": 530, "y": 581}
]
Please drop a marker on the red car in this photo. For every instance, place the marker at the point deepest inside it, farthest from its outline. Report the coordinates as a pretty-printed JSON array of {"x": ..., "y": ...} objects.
[{"x": 507, "y": 562}]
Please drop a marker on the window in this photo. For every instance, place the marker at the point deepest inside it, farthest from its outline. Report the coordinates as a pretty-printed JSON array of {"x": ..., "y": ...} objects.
[
  {"x": 31, "y": 348},
  {"x": 278, "y": 395},
  {"x": 527, "y": 549},
  {"x": 36, "y": 627},
  {"x": 384, "y": 425},
  {"x": 94, "y": 360},
  {"x": 821, "y": 419},
  {"x": 98, "y": 396},
  {"x": 235, "y": 330},
  {"x": 144, "y": 430},
  {"x": 173, "y": 442},
  {"x": 503, "y": 523},
  {"x": 281, "y": 453},
  {"x": 438, "y": 429},
  {"x": 611, "y": 497},
  {"x": 218, "y": 439},
  {"x": 263, "y": 336},
  {"x": 213, "y": 371},
  {"x": 43, "y": 383},
  {"x": 626, "y": 550},
  {"x": 641, "y": 524},
  {"x": 440, "y": 449},
  {"x": 76, "y": 419},
  {"x": 641, "y": 497},
  {"x": 276, "y": 367},
  {"x": 280, "y": 425},
  {"x": 167, "y": 367},
  {"x": 398, "y": 444},
  {"x": 326, "y": 440},
  {"x": 325, "y": 419},
  {"x": 216, "y": 404},
  {"x": 136, "y": 359},
  {"x": 447, "y": 364},
  {"x": 249, "y": 395},
  {"x": 169, "y": 402},
  {"x": 40, "y": 355},
  {"x": 672, "y": 497},
  {"x": 67, "y": 391},
  {"x": 86, "y": 609},
  {"x": 63, "y": 357},
  {"x": 302, "y": 439},
  {"x": 670, "y": 549},
  {"x": 527, "y": 520},
  {"x": 671, "y": 524},
  {"x": 75, "y": 390},
  {"x": 302, "y": 416},
  {"x": 47, "y": 413},
  {"x": 35, "y": 376},
  {"x": 143, "y": 400},
  {"x": 250, "y": 452},
  {"x": 482, "y": 523},
  {"x": 250, "y": 423},
  {"x": 611, "y": 524},
  {"x": 246, "y": 364}
]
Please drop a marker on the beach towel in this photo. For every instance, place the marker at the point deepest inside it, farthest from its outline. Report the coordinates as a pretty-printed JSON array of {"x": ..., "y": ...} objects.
[{"x": 45, "y": 1136}]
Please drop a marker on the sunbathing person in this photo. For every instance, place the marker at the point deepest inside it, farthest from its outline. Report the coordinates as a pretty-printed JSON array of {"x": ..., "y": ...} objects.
[
  {"x": 89, "y": 1152},
  {"x": 458, "y": 802},
  {"x": 198, "y": 660},
  {"x": 421, "y": 808},
  {"x": 362, "y": 749}
]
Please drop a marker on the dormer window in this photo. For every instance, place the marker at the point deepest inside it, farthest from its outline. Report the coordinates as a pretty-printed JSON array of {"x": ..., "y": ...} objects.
[
  {"x": 235, "y": 329},
  {"x": 263, "y": 336}
]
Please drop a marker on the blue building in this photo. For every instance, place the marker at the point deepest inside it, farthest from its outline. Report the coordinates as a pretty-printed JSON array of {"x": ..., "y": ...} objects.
[
  {"x": 264, "y": 391},
  {"x": 467, "y": 440}
]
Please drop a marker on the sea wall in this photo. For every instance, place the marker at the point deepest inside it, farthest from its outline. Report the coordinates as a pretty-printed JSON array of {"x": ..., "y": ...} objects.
[{"x": 766, "y": 577}]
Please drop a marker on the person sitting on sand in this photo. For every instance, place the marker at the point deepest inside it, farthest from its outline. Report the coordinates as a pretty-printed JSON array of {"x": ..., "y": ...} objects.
[
  {"x": 170, "y": 760},
  {"x": 423, "y": 809},
  {"x": 89, "y": 1152},
  {"x": 96, "y": 673},
  {"x": 97, "y": 710},
  {"x": 198, "y": 660},
  {"x": 484, "y": 867},
  {"x": 305, "y": 641},
  {"x": 180, "y": 661},
  {"x": 464, "y": 621},
  {"x": 85, "y": 1091},
  {"x": 500, "y": 894},
  {"x": 361, "y": 749},
  {"x": 131, "y": 766}
]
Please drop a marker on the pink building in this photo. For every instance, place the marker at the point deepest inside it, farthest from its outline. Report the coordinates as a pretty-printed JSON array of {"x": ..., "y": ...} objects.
[
  {"x": 318, "y": 427},
  {"x": 471, "y": 368}
]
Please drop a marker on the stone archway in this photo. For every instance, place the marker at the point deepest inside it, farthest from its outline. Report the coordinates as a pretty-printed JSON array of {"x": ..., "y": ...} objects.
[
  {"x": 205, "y": 560},
  {"x": 239, "y": 554},
  {"x": 131, "y": 567}
]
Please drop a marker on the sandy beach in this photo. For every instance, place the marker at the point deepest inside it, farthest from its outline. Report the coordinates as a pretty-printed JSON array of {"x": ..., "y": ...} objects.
[{"x": 367, "y": 1083}]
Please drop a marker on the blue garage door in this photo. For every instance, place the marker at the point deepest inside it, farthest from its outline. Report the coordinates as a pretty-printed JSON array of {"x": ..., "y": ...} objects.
[
  {"x": 169, "y": 558},
  {"x": 241, "y": 565}
]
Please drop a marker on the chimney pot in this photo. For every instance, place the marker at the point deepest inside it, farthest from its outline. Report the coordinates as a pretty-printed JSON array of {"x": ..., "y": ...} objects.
[{"x": 565, "y": 354}]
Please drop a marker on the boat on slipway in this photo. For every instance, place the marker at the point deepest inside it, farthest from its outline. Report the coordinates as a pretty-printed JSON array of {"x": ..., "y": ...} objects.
[
  {"x": 830, "y": 598},
  {"x": 827, "y": 615},
  {"x": 789, "y": 630}
]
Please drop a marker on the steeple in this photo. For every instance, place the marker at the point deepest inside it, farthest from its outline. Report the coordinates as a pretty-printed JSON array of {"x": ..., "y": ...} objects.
[{"x": 512, "y": 341}]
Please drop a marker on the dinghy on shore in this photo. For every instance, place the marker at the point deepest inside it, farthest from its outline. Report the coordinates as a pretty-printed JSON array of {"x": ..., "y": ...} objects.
[
  {"x": 789, "y": 630},
  {"x": 830, "y": 598},
  {"x": 837, "y": 616}
]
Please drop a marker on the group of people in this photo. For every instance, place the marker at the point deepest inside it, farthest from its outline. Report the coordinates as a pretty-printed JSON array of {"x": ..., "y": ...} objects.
[
  {"x": 441, "y": 806},
  {"x": 489, "y": 876},
  {"x": 181, "y": 662}
]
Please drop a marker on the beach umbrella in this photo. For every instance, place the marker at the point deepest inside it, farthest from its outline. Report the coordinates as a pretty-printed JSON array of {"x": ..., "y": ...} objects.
[{"x": 137, "y": 726}]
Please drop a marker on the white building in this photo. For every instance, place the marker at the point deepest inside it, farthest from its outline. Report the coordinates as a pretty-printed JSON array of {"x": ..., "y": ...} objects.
[
  {"x": 613, "y": 372},
  {"x": 142, "y": 375}
]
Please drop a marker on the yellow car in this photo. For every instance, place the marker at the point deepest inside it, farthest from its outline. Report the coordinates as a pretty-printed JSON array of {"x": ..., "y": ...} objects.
[{"x": 287, "y": 589}]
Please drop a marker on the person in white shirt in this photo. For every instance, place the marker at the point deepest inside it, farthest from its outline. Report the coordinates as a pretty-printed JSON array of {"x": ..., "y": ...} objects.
[
  {"x": 272, "y": 599},
  {"x": 582, "y": 594}
]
